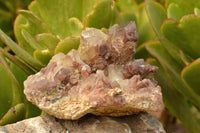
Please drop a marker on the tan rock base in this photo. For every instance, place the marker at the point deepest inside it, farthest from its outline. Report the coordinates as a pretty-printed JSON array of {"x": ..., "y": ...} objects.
[{"x": 140, "y": 123}]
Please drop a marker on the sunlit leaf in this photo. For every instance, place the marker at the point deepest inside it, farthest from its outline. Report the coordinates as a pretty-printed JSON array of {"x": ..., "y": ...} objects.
[
  {"x": 48, "y": 40},
  {"x": 43, "y": 56},
  {"x": 67, "y": 44},
  {"x": 197, "y": 11},
  {"x": 31, "y": 41},
  {"x": 103, "y": 15}
]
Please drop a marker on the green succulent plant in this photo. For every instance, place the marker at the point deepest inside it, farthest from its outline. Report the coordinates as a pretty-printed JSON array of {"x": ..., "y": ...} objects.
[
  {"x": 176, "y": 52},
  {"x": 8, "y": 13},
  {"x": 168, "y": 36}
]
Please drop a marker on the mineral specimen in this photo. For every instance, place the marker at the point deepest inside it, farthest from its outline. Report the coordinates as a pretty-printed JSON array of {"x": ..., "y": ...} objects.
[{"x": 100, "y": 78}]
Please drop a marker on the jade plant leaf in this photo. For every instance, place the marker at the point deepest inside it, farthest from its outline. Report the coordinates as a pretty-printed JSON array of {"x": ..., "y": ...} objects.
[
  {"x": 30, "y": 109},
  {"x": 17, "y": 61},
  {"x": 57, "y": 18},
  {"x": 174, "y": 11},
  {"x": 32, "y": 41},
  {"x": 48, "y": 40},
  {"x": 11, "y": 92},
  {"x": 157, "y": 14},
  {"x": 43, "y": 56},
  {"x": 187, "y": 7},
  {"x": 144, "y": 28},
  {"x": 175, "y": 101},
  {"x": 127, "y": 16},
  {"x": 127, "y": 5},
  {"x": 191, "y": 75},
  {"x": 14, "y": 114},
  {"x": 60, "y": 18},
  {"x": 103, "y": 15},
  {"x": 184, "y": 34},
  {"x": 67, "y": 44},
  {"x": 197, "y": 11},
  {"x": 8, "y": 12},
  {"x": 20, "y": 52},
  {"x": 173, "y": 71},
  {"x": 30, "y": 23}
]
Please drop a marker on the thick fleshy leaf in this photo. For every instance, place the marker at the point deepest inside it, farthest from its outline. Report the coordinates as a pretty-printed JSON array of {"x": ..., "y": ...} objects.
[
  {"x": 75, "y": 26},
  {"x": 43, "y": 56},
  {"x": 127, "y": 16},
  {"x": 10, "y": 90},
  {"x": 14, "y": 114},
  {"x": 197, "y": 11},
  {"x": 103, "y": 15},
  {"x": 26, "y": 57},
  {"x": 157, "y": 14},
  {"x": 127, "y": 5},
  {"x": 8, "y": 11},
  {"x": 31, "y": 41},
  {"x": 61, "y": 19},
  {"x": 185, "y": 58},
  {"x": 144, "y": 27},
  {"x": 48, "y": 40},
  {"x": 173, "y": 71},
  {"x": 31, "y": 110},
  {"x": 32, "y": 24},
  {"x": 5, "y": 91},
  {"x": 174, "y": 11},
  {"x": 67, "y": 44},
  {"x": 187, "y": 6},
  {"x": 175, "y": 101},
  {"x": 191, "y": 75},
  {"x": 184, "y": 34},
  {"x": 19, "y": 74},
  {"x": 19, "y": 63},
  {"x": 56, "y": 15}
]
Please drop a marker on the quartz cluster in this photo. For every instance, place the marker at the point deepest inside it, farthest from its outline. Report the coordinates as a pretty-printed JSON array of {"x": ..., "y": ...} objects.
[{"x": 100, "y": 78}]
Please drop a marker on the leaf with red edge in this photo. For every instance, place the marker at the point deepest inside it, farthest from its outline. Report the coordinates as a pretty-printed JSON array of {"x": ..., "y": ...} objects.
[
  {"x": 48, "y": 40},
  {"x": 191, "y": 75},
  {"x": 184, "y": 34},
  {"x": 67, "y": 44},
  {"x": 187, "y": 6},
  {"x": 103, "y": 15},
  {"x": 14, "y": 114},
  {"x": 157, "y": 14},
  {"x": 173, "y": 71},
  {"x": 175, "y": 101}
]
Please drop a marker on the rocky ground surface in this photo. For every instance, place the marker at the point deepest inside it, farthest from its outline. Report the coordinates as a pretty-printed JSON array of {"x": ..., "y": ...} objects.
[{"x": 140, "y": 123}]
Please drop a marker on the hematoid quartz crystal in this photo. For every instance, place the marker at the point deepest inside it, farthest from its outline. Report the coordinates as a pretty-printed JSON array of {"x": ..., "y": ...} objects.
[{"x": 100, "y": 78}]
